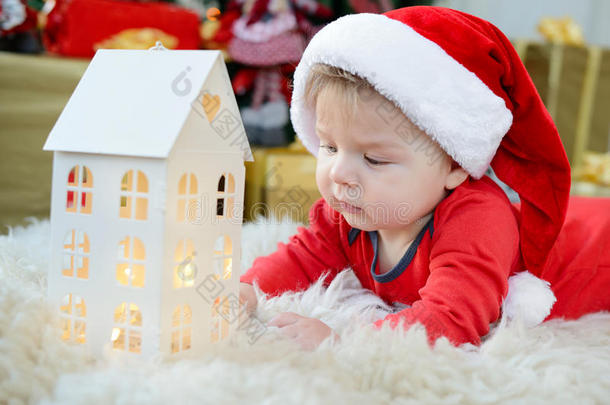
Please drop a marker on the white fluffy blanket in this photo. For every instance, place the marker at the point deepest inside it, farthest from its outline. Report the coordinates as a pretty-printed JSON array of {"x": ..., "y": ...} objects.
[{"x": 556, "y": 362}]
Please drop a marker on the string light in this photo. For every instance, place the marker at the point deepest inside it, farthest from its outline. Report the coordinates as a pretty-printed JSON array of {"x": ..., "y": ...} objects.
[{"x": 212, "y": 13}]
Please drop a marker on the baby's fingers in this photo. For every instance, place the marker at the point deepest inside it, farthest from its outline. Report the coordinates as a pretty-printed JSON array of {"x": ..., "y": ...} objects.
[
  {"x": 291, "y": 331},
  {"x": 284, "y": 319}
]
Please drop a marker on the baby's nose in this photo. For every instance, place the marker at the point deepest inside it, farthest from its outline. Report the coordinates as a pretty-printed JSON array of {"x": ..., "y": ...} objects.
[{"x": 342, "y": 170}]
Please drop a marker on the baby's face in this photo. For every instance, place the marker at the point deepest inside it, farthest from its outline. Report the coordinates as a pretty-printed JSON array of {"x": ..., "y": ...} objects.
[{"x": 378, "y": 170}]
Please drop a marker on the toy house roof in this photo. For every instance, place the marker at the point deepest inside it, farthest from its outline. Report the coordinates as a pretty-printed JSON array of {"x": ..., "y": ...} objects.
[{"x": 135, "y": 103}]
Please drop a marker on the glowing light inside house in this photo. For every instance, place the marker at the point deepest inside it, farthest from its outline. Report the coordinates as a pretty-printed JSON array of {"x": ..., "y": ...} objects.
[{"x": 116, "y": 332}]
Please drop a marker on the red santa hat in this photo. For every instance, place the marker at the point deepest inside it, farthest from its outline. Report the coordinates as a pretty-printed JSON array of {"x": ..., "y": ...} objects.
[{"x": 459, "y": 79}]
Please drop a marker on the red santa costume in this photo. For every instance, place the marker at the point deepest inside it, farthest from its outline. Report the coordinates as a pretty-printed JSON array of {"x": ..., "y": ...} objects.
[{"x": 459, "y": 79}]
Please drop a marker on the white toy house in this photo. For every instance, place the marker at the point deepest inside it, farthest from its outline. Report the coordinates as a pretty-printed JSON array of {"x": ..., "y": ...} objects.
[{"x": 146, "y": 207}]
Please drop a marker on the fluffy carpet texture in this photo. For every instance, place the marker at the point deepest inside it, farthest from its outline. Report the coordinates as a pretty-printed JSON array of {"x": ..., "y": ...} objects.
[{"x": 556, "y": 362}]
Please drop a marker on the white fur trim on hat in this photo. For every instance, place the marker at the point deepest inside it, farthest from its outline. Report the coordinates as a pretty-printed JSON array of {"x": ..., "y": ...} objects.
[{"x": 437, "y": 93}]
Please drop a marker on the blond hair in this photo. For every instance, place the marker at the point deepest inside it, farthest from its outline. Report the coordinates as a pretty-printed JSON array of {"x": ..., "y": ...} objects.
[{"x": 347, "y": 86}]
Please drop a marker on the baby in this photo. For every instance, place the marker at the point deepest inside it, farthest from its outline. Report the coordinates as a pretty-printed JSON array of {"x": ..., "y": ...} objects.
[{"x": 405, "y": 112}]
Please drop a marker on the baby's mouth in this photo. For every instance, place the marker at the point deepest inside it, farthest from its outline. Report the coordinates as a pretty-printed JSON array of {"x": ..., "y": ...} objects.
[{"x": 340, "y": 205}]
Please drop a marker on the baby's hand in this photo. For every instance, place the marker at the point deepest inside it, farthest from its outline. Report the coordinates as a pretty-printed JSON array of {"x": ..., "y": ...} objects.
[
  {"x": 308, "y": 332},
  {"x": 247, "y": 297}
]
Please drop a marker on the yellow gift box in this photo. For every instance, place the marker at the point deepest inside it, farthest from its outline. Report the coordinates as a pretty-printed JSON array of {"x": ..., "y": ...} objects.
[
  {"x": 574, "y": 83},
  {"x": 281, "y": 181}
]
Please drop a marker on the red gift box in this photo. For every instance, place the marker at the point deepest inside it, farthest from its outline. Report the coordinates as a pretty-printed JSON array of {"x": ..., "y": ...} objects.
[{"x": 78, "y": 27}]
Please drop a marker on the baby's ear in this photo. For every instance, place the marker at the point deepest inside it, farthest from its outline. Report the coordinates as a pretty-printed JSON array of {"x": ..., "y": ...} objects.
[{"x": 455, "y": 177}]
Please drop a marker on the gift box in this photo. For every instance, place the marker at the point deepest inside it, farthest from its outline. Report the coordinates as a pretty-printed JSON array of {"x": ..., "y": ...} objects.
[
  {"x": 80, "y": 27},
  {"x": 574, "y": 83},
  {"x": 35, "y": 89},
  {"x": 281, "y": 182}
]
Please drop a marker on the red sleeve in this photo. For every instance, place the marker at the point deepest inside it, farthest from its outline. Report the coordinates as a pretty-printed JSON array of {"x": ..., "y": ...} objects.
[
  {"x": 474, "y": 247},
  {"x": 307, "y": 255}
]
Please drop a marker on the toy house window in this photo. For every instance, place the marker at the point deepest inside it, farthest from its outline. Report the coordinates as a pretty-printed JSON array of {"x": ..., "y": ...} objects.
[
  {"x": 225, "y": 196},
  {"x": 127, "y": 332},
  {"x": 79, "y": 195},
  {"x": 181, "y": 328},
  {"x": 134, "y": 196},
  {"x": 185, "y": 269},
  {"x": 130, "y": 268},
  {"x": 222, "y": 258},
  {"x": 187, "y": 198},
  {"x": 76, "y": 255},
  {"x": 220, "y": 314},
  {"x": 72, "y": 315}
]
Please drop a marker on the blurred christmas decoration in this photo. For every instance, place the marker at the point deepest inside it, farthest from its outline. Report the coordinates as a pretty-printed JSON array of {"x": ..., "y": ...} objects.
[
  {"x": 207, "y": 31},
  {"x": 197, "y": 6},
  {"x": 594, "y": 169},
  {"x": 371, "y": 6},
  {"x": 561, "y": 30},
  {"x": 79, "y": 27},
  {"x": 268, "y": 38},
  {"x": 215, "y": 30},
  {"x": 18, "y": 27},
  {"x": 137, "y": 38},
  {"x": 212, "y": 13}
]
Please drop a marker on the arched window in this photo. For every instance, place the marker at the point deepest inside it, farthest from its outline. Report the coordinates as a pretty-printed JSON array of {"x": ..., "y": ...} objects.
[
  {"x": 80, "y": 183},
  {"x": 127, "y": 332},
  {"x": 222, "y": 260},
  {"x": 225, "y": 197},
  {"x": 134, "y": 196},
  {"x": 220, "y": 314},
  {"x": 130, "y": 270},
  {"x": 76, "y": 254},
  {"x": 185, "y": 269},
  {"x": 187, "y": 198},
  {"x": 181, "y": 328},
  {"x": 72, "y": 314}
]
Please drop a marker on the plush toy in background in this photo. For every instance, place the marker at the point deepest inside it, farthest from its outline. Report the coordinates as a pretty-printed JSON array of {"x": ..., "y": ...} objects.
[
  {"x": 269, "y": 39},
  {"x": 18, "y": 31},
  {"x": 381, "y": 6}
]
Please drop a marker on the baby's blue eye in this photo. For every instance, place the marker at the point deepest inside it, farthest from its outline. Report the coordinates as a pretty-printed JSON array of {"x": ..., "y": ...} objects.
[{"x": 329, "y": 149}]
